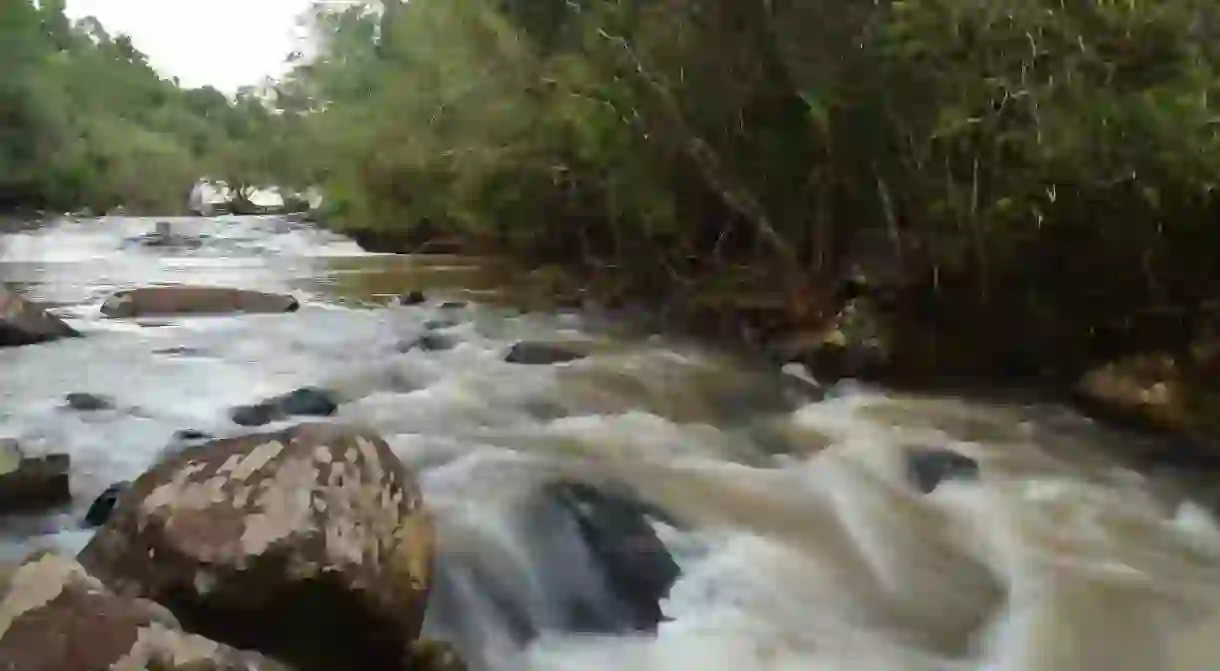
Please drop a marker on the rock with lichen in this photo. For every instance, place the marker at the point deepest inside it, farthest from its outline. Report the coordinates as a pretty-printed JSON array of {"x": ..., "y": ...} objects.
[
  {"x": 310, "y": 544},
  {"x": 56, "y": 617}
]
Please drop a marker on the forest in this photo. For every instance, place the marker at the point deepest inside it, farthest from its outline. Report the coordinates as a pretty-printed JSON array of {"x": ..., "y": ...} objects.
[
  {"x": 1011, "y": 189},
  {"x": 87, "y": 125}
]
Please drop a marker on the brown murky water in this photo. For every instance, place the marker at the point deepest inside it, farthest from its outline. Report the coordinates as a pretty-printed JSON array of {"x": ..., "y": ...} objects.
[{"x": 802, "y": 541}]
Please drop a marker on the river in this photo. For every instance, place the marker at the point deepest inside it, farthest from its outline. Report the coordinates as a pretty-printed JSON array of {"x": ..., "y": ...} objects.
[{"x": 802, "y": 543}]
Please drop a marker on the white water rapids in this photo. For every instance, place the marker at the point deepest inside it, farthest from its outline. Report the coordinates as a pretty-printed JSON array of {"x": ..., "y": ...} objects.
[{"x": 802, "y": 543}]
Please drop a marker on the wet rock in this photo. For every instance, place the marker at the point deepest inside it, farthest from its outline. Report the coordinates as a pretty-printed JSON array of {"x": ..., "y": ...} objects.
[
  {"x": 636, "y": 567},
  {"x": 413, "y": 298},
  {"x": 85, "y": 402},
  {"x": 310, "y": 544},
  {"x": 453, "y": 305},
  {"x": 1147, "y": 390},
  {"x": 164, "y": 236},
  {"x": 194, "y": 300},
  {"x": 928, "y": 468},
  {"x": 23, "y": 323},
  {"x": 431, "y": 655},
  {"x": 56, "y": 617},
  {"x": 305, "y": 402},
  {"x": 37, "y": 483},
  {"x": 103, "y": 505},
  {"x": 10, "y": 456},
  {"x": 855, "y": 344},
  {"x": 430, "y": 342},
  {"x": 542, "y": 354}
]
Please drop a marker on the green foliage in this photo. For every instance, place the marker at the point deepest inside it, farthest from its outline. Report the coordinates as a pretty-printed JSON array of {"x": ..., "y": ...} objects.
[
  {"x": 86, "y": 122},
  {"x": 1045, "y": 169}
]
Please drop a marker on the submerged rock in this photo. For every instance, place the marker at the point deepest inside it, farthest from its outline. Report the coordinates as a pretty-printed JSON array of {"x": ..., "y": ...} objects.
[
  {"x": 543, "y": 354},
  {"x": 23, "y": 323},
  {"x": 635, "y": 567},
  {"x": 430, "y": 342},
  {"x": 56, "y": 617},
  {"x": 85, "y": 402},
  {"x": 928, "y": 468},
  {"x": 305, "y": 402},
  {"x": 415, "y": 297},
  {"x": 36, "y": 483},
  {"x": 194, "y": 300},
  {"x": 102, "y": 507},
  {"x": 310, "y": 544}
]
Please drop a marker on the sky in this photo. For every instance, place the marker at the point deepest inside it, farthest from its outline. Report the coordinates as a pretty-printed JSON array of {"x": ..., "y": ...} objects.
[{"x": 222, "y": 43}]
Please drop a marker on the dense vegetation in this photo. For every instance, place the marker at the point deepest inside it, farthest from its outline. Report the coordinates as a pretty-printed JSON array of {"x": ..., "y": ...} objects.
[
  {"x": 1032, "y": 182},
  {"x": 1023, "y": 186},
  {"x": 86, "y": 123}
]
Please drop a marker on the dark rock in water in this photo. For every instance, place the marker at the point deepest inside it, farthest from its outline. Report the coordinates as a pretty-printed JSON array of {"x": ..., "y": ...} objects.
[
  {"x": 311, "y": 545},
  {"x": 929, "y": 467},
  {"x": 438, "y": 324},
  {"x": 85, "y": 402},
  {"x": 453, "y": 305},
  {"x": 542, "y": 354},
  {"x": 192, "y": 434},
  {"x": 413, "y": 298},
  {"x": 33, "y": 483},
  {"x": 104, "y": 504},
  {"x": 255, "y": 415},
  {"x": 178, "y": 351},
  {"x": 430, "y": 342},
  {"x": 306, "y": 401},
  {"x": 22, "y": 323},
  {"x": 194, "y": 300},
  {"x": 59, "y": 618},
  {"x": 634, "y": 563}
]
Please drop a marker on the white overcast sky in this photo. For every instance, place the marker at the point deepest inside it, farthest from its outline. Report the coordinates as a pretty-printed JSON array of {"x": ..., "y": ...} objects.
[{"x": 224, "y": 43}]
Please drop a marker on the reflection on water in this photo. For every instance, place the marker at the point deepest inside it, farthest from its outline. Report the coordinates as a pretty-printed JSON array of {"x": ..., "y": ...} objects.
[{"x": 801, "y": 541}]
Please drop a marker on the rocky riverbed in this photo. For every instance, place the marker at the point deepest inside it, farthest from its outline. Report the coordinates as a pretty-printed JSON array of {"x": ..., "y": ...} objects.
[{"x": 347, "y": 460}]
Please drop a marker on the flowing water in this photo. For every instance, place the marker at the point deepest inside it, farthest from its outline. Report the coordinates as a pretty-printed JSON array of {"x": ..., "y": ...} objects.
[{"x": 801, "y": 539}]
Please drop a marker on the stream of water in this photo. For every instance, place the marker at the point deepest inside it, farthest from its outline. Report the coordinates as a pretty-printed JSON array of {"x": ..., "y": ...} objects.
[{"x": 802, "y": 542}]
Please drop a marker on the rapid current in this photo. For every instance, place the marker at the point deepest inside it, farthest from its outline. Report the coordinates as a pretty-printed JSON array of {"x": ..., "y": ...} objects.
[{"x": 802, "y": 542}]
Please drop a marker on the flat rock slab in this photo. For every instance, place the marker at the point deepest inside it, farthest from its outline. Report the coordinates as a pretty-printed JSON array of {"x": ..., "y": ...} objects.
[
  {"x": 310, "y": 544},
  {"x": 178, "y": 300},
  {"x": 23, "y": 323},
  {"x": 55, "y": 617}
]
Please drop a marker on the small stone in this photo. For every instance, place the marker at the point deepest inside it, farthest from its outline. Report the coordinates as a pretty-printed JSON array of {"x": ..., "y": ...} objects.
[
  {"x": 84, "y": 402},
  {"x": 930, "y": 467}
]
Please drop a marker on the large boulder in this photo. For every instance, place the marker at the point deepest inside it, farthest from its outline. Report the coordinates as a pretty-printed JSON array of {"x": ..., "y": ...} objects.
[
  {"x": 22, "y": 323},
  {"x": 55, "y": 617},
  {"x": 194, "y": 300},
  {"x": 311, "y": 544},
  {"x": 30, "y": 484}
]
